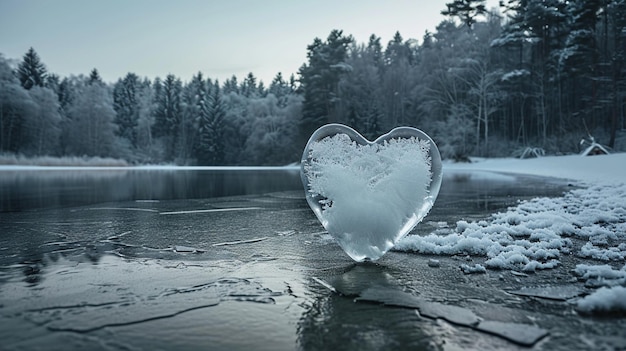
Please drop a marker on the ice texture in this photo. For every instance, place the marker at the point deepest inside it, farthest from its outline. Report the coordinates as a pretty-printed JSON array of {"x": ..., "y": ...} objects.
[{"x": 368, "y": 195}]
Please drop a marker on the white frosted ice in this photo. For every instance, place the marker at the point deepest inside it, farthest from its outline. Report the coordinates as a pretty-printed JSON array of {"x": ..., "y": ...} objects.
[{"x": 368, "y": 195}]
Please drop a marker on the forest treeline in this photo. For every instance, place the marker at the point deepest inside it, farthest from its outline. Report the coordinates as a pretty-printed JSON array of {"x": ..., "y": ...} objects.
[{"x": 534, "y": 73}]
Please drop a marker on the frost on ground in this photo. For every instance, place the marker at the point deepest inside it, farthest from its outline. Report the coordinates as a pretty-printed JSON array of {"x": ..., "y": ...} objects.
[{"x": 535, "y": 234}]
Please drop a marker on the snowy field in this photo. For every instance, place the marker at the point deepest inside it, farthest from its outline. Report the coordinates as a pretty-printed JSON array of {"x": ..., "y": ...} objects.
[{"x": 536, "y": 234}]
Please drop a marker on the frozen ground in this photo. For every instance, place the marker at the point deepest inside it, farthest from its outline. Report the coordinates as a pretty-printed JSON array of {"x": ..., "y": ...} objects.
[{"x": 537, "y": 233}]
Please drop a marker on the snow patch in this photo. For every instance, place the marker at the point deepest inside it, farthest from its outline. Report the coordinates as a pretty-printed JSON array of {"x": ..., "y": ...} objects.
[
  {"x": 534, "y": 234},
  {"x": 604, "y": 300}
]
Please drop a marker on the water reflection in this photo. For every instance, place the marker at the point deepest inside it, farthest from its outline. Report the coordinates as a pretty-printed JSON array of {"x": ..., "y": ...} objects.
[
  {"x": 32, "y": 189},
  {"x": 335, "y": 321}
]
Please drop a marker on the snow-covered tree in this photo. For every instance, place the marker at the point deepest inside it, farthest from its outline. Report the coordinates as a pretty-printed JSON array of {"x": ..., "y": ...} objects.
[
  {"x": 43, "y": 127},
  {"x": 272, "y": 137},
  {"x": 15, "y": 107},
  {"x": 91, "y": 128}
]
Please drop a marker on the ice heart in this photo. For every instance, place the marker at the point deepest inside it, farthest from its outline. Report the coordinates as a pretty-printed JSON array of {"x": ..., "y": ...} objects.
[{"x": 368, "y": 195}]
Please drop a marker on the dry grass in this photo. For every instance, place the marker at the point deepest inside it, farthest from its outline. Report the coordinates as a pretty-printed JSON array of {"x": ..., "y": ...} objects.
[{"x": 66, "y": 161}]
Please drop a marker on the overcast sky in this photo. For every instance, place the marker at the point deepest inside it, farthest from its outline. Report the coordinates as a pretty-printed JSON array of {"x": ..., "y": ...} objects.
[{"x": 219, "y": 38}]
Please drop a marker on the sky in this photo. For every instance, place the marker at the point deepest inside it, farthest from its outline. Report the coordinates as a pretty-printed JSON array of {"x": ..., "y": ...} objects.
[{"x": 153, "y": 38}]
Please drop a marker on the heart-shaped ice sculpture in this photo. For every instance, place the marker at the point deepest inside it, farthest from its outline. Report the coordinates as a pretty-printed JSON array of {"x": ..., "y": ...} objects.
[{"x": 369, "y": 195}]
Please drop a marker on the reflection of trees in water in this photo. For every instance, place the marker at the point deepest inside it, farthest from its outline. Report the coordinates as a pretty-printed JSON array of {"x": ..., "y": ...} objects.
[
  {"x": 336, "y": 322},
  {"x": 25, "y": 190},
  {"x": 34, "y": 267},
  {"x": 32, "y": 240}
]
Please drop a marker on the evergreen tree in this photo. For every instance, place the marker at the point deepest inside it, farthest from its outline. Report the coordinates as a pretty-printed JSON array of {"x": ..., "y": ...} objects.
[
  {"x": 319, "y": 80},
  {"x": 64, "y": 94},
  {"x": 167, "y": 114},
  {"x": 249, "y": 86},
  {"x": 375, "y": 50},
  {"x": 52, "y": 82},
  {"x": 397, "y": 51},
  {"x": 280, "y": 89},
  {"x": 465, "y": 10},
  {"x": 211, "y": 144},
  {"x": 261, "y": 90},
  {"x": 361, "y": 89},
  {"x": 94, "y": 77},
  {"x": 195, "y": 105},
  {"x": 126, "y": 105},
  {"x": 231, "y": 86},
  {"x": 31, "y": 71},
  {"x": 145, "y": 121}
]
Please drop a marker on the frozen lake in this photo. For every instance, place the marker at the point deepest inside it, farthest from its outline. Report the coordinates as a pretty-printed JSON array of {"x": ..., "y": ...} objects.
[{"x": 129, "y": 259}]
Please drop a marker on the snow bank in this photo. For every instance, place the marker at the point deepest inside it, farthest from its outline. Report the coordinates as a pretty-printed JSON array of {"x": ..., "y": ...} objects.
[
  {"x": 590, "y": 169},
  {"x": 534, "y": 234}
]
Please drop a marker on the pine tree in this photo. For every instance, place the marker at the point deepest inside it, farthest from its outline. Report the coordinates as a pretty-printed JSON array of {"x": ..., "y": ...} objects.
[
  {"x": 167, "y": 113},
  {"x": 319, "y": 80},
  {"x": 195, "y": 106},
  {"x": 249, "y": 86},
  {"x": 126, "y": 105},
  {"x": 231, "y": 86},
  {"x": 94, "y": 77},
  {"x": 280, "y": 89},
  {"x": 65, "y": 94},
  {"x": 210, "y": 149},
  {"x": 465, "y": 10},
  {"x": 31, "y": 71}
]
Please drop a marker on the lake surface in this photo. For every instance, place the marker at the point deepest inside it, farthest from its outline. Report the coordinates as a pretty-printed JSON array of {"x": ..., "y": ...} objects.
[{"x": 135, "y": 259}]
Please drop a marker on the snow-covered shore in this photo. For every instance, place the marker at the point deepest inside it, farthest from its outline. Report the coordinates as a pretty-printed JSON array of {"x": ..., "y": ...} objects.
[
  {"x": 588, "y": 169},
  {"x": 535, "y": 234}
]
